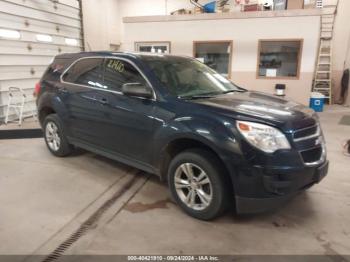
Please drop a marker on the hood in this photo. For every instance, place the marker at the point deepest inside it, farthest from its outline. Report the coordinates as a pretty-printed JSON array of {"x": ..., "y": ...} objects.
[{"x": 263, "y": 108}]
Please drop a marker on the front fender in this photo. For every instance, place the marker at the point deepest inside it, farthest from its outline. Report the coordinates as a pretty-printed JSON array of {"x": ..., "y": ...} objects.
[{"x": 210, "y": 132}]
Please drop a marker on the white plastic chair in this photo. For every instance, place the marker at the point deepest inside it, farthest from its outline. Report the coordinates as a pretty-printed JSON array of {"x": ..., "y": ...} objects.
[{"x": 16, "y": 101}]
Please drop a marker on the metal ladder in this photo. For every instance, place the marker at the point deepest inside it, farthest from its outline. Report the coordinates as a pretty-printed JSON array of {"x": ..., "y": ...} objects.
[{"x": 323, "y": 73}]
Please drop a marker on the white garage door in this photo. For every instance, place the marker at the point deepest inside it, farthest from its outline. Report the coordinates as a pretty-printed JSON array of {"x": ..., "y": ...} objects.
[{"x": 32, "y": 32}]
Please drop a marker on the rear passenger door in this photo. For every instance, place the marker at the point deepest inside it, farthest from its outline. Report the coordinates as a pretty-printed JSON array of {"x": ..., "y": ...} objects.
[
  {"x": 127, "y": 126},
  {"x": 79, "y": 92}
]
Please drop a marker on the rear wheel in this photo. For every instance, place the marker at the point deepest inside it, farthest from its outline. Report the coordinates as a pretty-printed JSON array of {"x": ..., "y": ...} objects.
[
  {"x": 196, "y": 181},
  {"x": 55, "y": 138}
]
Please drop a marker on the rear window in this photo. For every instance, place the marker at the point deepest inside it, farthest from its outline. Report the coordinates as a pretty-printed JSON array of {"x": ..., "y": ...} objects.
[
  {"x": 55, "y": 69},
  {"x": 87, "y": 71}
]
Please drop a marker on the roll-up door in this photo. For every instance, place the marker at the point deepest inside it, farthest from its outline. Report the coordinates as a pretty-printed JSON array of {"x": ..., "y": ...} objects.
[{"x": 32, "y": 32}]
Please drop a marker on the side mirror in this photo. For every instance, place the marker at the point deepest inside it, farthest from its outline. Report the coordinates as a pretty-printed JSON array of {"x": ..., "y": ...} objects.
[{"x": 137, "y": 89}]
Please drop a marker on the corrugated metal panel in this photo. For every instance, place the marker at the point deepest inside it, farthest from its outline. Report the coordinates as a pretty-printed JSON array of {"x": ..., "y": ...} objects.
[{"x": 23, "y": 60}]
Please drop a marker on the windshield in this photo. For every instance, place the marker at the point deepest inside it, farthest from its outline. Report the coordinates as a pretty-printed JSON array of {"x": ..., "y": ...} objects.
[{"x": 188, "y": 78}]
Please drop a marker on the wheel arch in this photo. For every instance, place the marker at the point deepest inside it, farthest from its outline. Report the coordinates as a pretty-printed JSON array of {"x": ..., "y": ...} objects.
[
  {"x": 44, "y": 112},
  {"x": 180, "y": 144},
  {"x": 48, "y": 104}
]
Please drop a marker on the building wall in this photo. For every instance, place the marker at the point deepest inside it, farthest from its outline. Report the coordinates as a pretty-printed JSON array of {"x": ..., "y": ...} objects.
[
  {"x": 102, "y": 24},
  {"x": 341, "y": 40},
  {"x": 245, "y": 35},
  {"x": 347, "y": 65},
  {"x": 105, "y": 31},
  {"x": 23, "y": 60},
  {"x": 103, "y": 19}
]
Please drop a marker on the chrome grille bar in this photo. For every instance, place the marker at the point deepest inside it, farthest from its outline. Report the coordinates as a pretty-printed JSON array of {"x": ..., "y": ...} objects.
[{"x": 316, "y": 134}]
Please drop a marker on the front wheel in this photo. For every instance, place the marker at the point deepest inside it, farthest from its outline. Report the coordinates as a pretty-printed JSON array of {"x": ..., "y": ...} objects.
[{"x": 196, "y": 181}]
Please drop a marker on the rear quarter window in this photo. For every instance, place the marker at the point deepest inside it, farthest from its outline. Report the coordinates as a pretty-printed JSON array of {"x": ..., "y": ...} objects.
[
  {"x": 55, "y": 69},
  {"x": 87, "y": 71}
]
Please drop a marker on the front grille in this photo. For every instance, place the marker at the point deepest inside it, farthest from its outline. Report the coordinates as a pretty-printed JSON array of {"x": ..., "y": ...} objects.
[
  {"x": 306, "y": 133},
  {"x": 310, "y": 144},
  {"x": 311, "y": 155}
]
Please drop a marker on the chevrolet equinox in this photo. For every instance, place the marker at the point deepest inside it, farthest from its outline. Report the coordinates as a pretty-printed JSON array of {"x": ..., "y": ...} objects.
[{"x": 213, "y": 142}]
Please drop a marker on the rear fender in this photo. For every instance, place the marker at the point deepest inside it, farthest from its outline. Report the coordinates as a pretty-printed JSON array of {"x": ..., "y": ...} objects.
[{"x": 54, "y": 102}]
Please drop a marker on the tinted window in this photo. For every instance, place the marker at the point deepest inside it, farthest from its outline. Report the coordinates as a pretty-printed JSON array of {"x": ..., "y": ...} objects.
[
  {"x": 119, "y": 72},
  {"x": 87, "y": 71}
]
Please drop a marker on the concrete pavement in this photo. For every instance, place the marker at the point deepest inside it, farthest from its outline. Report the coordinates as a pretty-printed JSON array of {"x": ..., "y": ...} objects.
[{"x": 44, "y": 200}]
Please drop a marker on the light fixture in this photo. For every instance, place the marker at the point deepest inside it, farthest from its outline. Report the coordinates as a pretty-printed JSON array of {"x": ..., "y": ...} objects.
[
  {"x": 44, "y": 38},
  {"x": 11, "y": 34},
  {"x": 71, "y": 41}
]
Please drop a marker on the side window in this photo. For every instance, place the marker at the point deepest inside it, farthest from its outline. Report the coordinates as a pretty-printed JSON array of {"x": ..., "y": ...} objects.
[
  {"x": 86, "y": 71},
  {"x": 119, "y": 72}
]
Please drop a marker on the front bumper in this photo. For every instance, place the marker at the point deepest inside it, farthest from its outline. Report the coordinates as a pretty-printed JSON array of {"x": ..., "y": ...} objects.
[{"x": 278, "y": 186}]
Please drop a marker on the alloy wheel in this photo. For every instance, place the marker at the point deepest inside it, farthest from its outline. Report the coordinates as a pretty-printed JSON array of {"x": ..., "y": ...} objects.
[
  {"x": 193, "y": 186},
  {"x": 52, "y": 136}
]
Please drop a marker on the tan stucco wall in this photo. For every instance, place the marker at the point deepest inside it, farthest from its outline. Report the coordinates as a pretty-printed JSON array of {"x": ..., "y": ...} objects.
[
  {"x": 296, "y": 90},
  {"x": 103, "y": 26},
  {"x": 245, "y": 34},
  {"x": 102, "y": 19},
  {"x": 101, "y": 23},
  {"x": 340, "y": 43},
  {"x": 347, "y": 65}
]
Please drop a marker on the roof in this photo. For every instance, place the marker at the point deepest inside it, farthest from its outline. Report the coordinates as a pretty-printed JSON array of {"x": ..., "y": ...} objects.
[{"x": 135, "y": 55}]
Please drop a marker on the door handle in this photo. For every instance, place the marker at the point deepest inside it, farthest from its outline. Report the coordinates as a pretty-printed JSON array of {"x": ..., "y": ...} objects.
[{"x": 102, "y": 101}]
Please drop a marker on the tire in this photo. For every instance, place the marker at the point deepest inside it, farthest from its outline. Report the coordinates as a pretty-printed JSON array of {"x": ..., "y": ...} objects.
[
  {"x": 210, "y": 197},
  {"x": 54, "y": 136}
]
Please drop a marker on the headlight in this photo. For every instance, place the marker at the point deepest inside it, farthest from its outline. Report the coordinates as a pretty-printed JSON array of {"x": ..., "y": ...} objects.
[{"x": 264, "y": 137}]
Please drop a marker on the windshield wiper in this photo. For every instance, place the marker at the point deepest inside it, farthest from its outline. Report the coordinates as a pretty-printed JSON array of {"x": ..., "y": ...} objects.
[
  {"x": 200, "y": 96},
  {"x": 196, "y": 97},
  {"x": 232, "y": 91},
  {"x": 209, "y": 95}
]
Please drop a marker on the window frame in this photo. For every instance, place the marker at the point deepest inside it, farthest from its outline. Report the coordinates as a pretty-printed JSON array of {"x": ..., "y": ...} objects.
[
  {"x": 297, "y": 77},
  {"x": 117, "y": 58},
  {"x": 138, "y": 43},
  {"x": 73, "y": 64},
  {"x": 230, "y": 42},
  {"x": 154, "y": 98}
]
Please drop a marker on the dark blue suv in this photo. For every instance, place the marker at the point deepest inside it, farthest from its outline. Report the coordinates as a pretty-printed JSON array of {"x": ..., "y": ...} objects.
[{"x": 213, "y": 142}]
